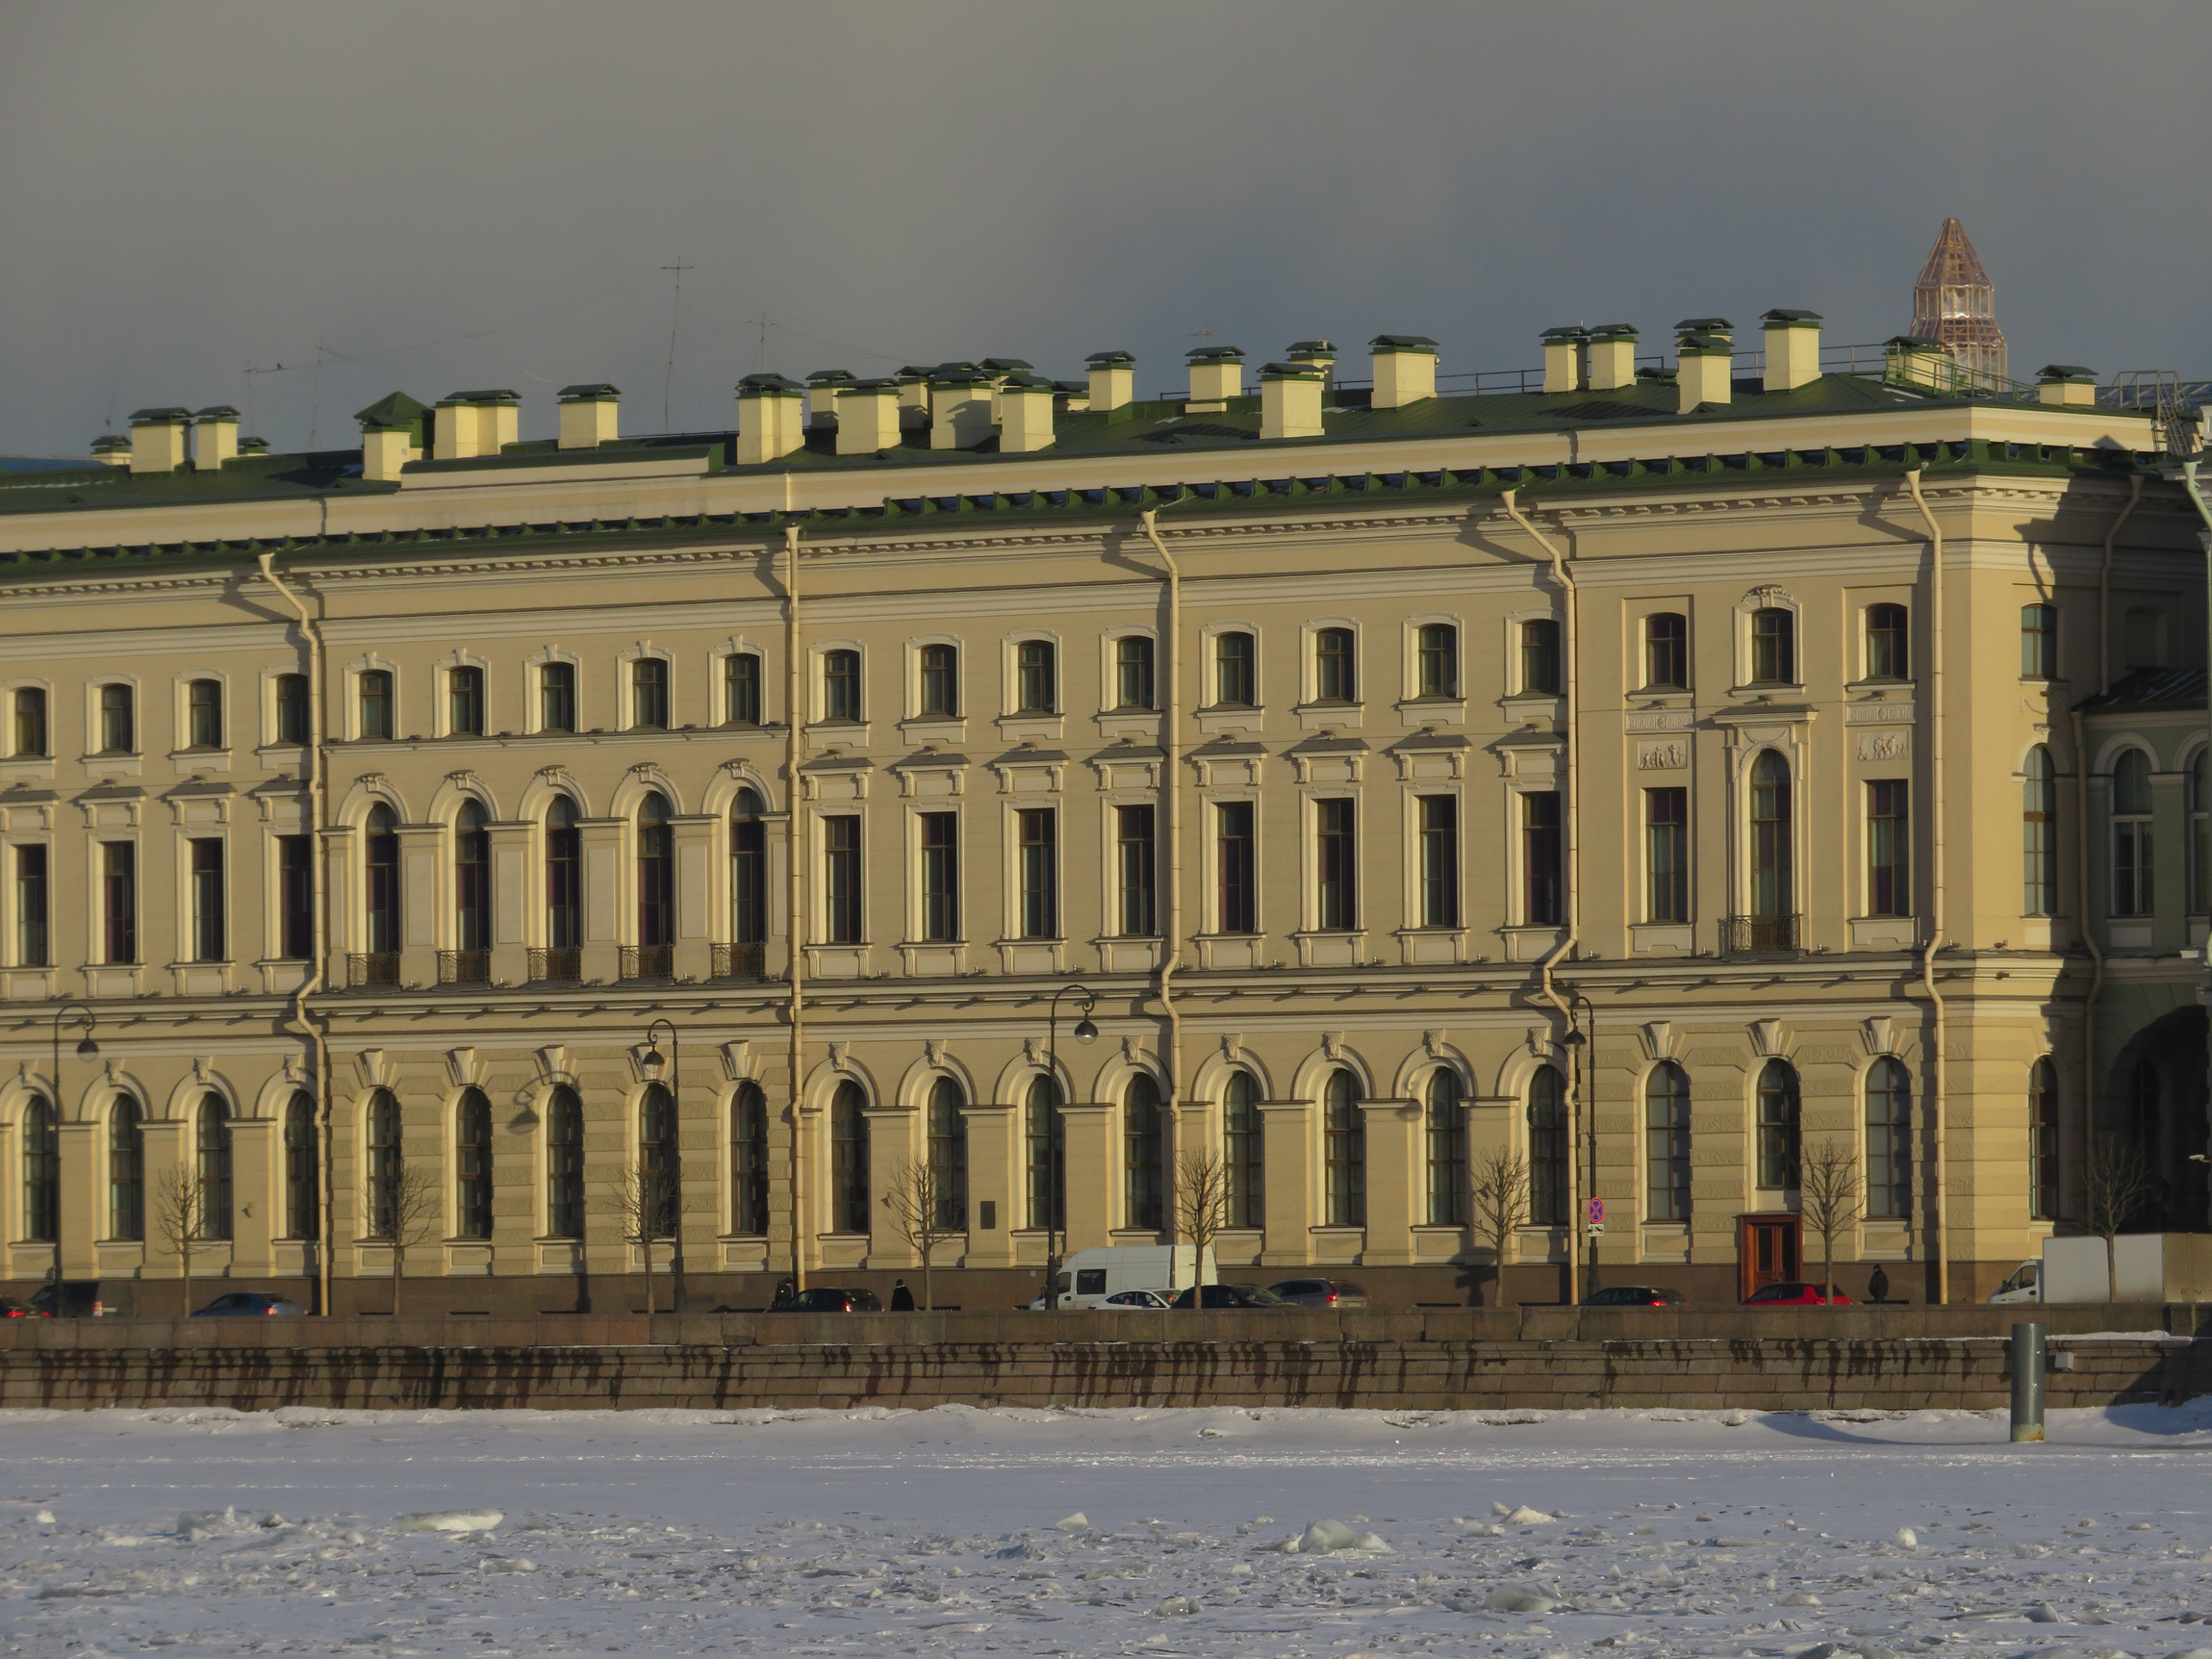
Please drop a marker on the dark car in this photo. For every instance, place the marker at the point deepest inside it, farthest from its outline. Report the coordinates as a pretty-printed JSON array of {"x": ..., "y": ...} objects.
[
  {"x": 11, "y": 1309},
  {"x": 1321, "y": 1292},
  {"x": 1632, "y": 1296},
  {"x": 84, "y": 1299},
  {"x": 828, "y": 1301},
  {"x": 1232, "y": 1297},
  {"x": 257, "y": 1304},
  {"x": 1792, "y": 1294}
]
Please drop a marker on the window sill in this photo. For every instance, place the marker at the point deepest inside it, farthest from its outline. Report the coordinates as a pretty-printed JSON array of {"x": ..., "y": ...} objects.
[
  {"x": 1333, "y": 948},
  {"x": 1118, "y": 722},
  {"x": 1531, "y": 944},
  {"x": 27, "y": 766},
  {"x": 1420, "y": 711},
  {"x": 1330, "y": 716},
  {"x": 1230, "y": 717},
  {"x": 837, "y": 734},
  {"x": 1432, "y": 947},
  {"x": 1015, "y": 727},
  {"x": 1767, "y": 688},
  {"x": 200, "y": 760},
  {"x": 932, "y": 729}
]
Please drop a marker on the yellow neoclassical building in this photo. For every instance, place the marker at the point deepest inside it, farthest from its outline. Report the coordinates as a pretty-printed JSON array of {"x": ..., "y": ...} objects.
[{"x": 1644, "y": 775}]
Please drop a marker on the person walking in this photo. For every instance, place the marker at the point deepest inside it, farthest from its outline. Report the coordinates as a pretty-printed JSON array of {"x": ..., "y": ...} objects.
[{"x": 902, "y": 1299}]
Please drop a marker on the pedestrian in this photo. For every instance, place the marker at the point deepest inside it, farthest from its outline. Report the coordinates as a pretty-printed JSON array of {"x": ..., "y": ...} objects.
[
  {"x": 902, "y": 1299},
  {"x": 785, "y": 1289},
  {"x": 1878, "y": 1287}
]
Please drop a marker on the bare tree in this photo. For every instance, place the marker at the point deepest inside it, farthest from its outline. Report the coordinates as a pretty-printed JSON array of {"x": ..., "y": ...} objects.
[
  {"x": 646, "y": 1199},
  {"x": 410, "y": 1215},
  {"x": 181, "y": 1217},
  {"x": 2116, "y": 1182},
  {"x": 1200, "y": 1208},
  {"x": 1500, "y": 1198},
  {"x": 922, "y": 1205},
  {"x": 1828, "y": 1199}
]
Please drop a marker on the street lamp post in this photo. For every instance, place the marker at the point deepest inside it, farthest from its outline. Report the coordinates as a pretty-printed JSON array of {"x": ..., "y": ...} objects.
[
  {"x": 1582, "y": 1056},
  {"x": 651, "y": 1063},
  {"x": 87, "y": 1049},
  {"x": 1055, "y": 1220}
]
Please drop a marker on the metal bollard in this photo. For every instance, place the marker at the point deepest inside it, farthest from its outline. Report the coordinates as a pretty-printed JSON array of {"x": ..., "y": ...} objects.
[{"x": 2026, "y": 1384}]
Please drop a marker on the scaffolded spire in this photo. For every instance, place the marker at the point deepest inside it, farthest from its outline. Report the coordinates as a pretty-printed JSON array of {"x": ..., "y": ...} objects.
[{"x": 1955, "y": 302}]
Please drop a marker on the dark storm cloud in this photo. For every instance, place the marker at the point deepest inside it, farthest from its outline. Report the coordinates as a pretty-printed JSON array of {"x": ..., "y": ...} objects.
[{"x": 442, "y": 196}]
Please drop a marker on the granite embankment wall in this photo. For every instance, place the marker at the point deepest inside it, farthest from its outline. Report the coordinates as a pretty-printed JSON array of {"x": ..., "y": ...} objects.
[{"x": 1427, "y": 1360}]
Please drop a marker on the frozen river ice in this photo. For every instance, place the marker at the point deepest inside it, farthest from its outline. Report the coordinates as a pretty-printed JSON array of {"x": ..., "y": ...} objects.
[{"x": 1079, "y": 1533}]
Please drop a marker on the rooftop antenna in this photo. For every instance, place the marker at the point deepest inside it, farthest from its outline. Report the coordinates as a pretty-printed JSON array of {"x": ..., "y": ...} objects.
[
  {"x": 675, "y": 312},
  {"x": 250, "y": 383},
  {"x": 315, "y": 395},
  {"x": 760, "y": 350}
]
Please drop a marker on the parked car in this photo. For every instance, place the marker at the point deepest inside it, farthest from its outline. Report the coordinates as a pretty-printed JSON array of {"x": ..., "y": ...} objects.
[
  {"x": 1321, "y": 1292},
  {"x": 1088, "y": 1277},
  {"x": 828, "y": 1301},
  {"x": 1234, "y": 1297},
  {"x": 11, "y": 1309},
  {"x": 1792, "y": 1294},
  {"x": 1634, "y": 1296},
  {"x": 1123, "y": 1299},
  {"x": 235, "y": 1304},
  {"x": 86, "y": 1299},
  {"x": 2025, "y": 1285}
]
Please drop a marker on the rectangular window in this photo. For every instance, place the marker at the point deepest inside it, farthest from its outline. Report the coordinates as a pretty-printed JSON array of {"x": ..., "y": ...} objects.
[
  {"x": 119, "y": 901},
  {"x": 1666, "y": 854},
  {"x": 1437, "y": 661},
  {"x": 1889, "y": 642},
  {"x": 1237, "y": 872},
  {"x": 1036, "y": 687},
  {"x": 1136, "y": 859},
  {"x": 30, "y": 736},
  {"x": 1440, "y": 861},
  {"x": 295, "y": 897},
  {"x": 840, "y": 685},
  {"x": 464, "y": 702},
  {"x": 1666, "y": 650},
  {"x": 1335, "y": 896},
  {"x": 1039, "y": 841},
  {"x": 118, "y": 730},
  {"x": 941, "y": 680},
  {"x": 1236, "y": 683},
  {"x": 1540, "y": 656},
  {"x": 1544, "y": 867},
  {"x": 1773, "y": 647},
  {"x": 33, "y": 939},
  {"x": 376, "y": 711},
  {"x": 649, "y": 693},
  {"x": 841, "y": 879},
  {"x": 1334, "y": 680},
  {"x": 741, "y": 688},
  {"x": 203, "y": 714},
  {"x": 1889, "y": 847},
  {"x": 557, "y": 697},
  {"x": 1133, "y": 672},
  {"x": 291, "y": 708},
  {"x": 207, "y": 877},
  {"x": 2039, "y": 641},
  {"x": 940, "y": 876}
]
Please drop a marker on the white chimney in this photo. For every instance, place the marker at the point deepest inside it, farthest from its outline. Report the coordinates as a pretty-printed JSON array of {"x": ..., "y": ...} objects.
[
  {"x": 472, "y": 423},
  {"x": 1613, "y": 357},
  {"x": 959, "y": 406},
  {"x": 391, "y": 434},
  {"x": 1112, "y": 381},
  {"x": 1705, "y": 361},
  {"x": 2066, "y": 383},
  {"x": 158, "y": 439},
  {"x": 215, "y": 437},
  {"x": 1563, "y": 358},
  {"x": 1216, "y": 375},
  {"x": 771, "y": 412},
  {"x": 1320, "y": 354},
  {"x": 111, "y": 450},
  {"x": 867, "y": 417},
  {"x": 1405, "y": 369},
  {"x": 1291, "y": 399},
  {"x": 1025, "y": 414},
  {"x": 822, "y": 388},
  {"x": 589, "y": 415},
  {"x": 1792, "y": 349}
]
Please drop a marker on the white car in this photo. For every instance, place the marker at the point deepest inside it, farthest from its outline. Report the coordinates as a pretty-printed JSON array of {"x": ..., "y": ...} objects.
[{"x": 1137, "y": 1299}]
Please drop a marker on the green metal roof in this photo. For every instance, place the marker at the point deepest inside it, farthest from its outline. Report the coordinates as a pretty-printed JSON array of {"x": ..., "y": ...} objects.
[
  {"x": 398, "y": 409},
  {"x": 590, "y": 391}
]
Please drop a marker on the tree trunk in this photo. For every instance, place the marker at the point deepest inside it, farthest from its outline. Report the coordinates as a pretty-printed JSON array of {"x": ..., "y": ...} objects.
[
  {"x": 2111, "y": 1268},
  {"x": 399, "y": 1260},
  {"x": 185, "y": 1288},
  {"x": 928, "y": 1249}
]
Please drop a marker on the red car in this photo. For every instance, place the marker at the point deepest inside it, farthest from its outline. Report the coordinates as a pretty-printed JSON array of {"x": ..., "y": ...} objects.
[{"x": 1792, "y": 1293}]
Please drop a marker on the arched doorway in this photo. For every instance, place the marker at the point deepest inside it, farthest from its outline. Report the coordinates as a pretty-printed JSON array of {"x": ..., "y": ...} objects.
[{"x": 2154, "y": 1097}]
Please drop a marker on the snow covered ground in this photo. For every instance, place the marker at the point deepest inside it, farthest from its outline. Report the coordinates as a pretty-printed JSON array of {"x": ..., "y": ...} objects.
[{"x": 957, "y": 1531}]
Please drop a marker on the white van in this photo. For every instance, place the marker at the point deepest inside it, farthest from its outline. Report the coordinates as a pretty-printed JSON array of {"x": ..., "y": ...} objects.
[{"x": 1088, "y": 1277}]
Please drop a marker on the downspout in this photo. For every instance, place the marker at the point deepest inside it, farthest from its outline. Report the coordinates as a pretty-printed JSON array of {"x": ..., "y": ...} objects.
[
  {"x": 795, "y": 895},
  {"x": 1171, "y": 954},
  {"x": 1940, "y": 1247},
  {"x": 1545, "y": 987},
  {"x": 302, "y": 1018}
]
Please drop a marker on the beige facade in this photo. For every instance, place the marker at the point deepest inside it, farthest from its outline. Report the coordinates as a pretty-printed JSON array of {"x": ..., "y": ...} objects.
[{"x": 1394, "y": 785}]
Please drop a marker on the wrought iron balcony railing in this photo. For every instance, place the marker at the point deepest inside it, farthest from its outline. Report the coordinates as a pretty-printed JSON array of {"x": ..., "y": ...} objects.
[
  {"x": 1745, "y": 935},
  {"x": 463, "y": 967},
  {"x": 366, "y": 968},
  {"x": 649, "y": 961},
  {"x": 740, "y": 962},
  {"x": 556, "y": 965}
]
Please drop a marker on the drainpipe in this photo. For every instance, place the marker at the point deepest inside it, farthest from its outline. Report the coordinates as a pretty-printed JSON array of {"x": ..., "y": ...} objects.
[
  {"x": 795, "y": 894},
  {"x": 1938, "y": 1220},
  {"x": 2204, "y": 513},
  {"x": 1545, "y": 988},
  {"x": 1171, "y": 957},
  {"x": 303, "y": 1019}
]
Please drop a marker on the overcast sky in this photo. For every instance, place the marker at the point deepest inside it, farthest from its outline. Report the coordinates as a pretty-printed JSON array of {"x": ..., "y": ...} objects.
[{"x": 432, "y": 197}]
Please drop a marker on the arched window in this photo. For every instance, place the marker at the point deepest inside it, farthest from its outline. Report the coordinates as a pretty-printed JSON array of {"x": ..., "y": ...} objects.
[
  {"x": 1773, "y": 891},
  {"x": 1036, "y": 677},
  {"x": 1774, "y": 647},
  {"x": 941, "y": 680},
  {"x": 1437, "y": 660},
  {"x": 1547, "y": 1148},
  {"x": 747, "y": 870},
  {"x": 748, "y": 1159},
  {"x": 1889, "y": 1138},
  {"x": 385, "y": 1165},
  {"x": 1446, "y": 1115},
  {"x": 1244, "y": 1151},
  {"x": 848, "y": 1159},
  {"x": 213, "y": 1150},
  {"x": 2132, "y": 890},
  {"x": 380, "y": 888},
  {"x": 1143, "y": 1152},
  {"x": 1665, "y": 650},
  {"x": 1889, "y": 642},
  {"x": 564, "y": 877},
  {"x": 472, "y": 880},
  {"x": 565, "y": 1164},
  {"x": 2200, "y": 837},
  {"x": 1045, "y": 1149},
  {"x": 2043, "y": 1140},
  {"x": 472, "y": 1164},
  {"x": 2038, "y": 835},
  {"x": 203, "y": 714},
  {"x": 126, "y": 1169},
  {"x": 1334, "y": 680},
  {"x": 656, "y": 875},
  {"x": 1779, "y": 1116},
  {"x": 1667, "y": 1143},
  {"x": 948, "y": 1129},
  {"x": 1343, "y": 1151},
  {"x": 41, "y": 1172},
  {"x": 659, "y": 1202},
  {"x": 302, "y": 1170}
]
